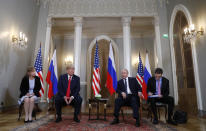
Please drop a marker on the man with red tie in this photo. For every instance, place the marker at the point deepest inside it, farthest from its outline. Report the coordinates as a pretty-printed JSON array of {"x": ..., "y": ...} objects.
[
  {"x": 68, "y": 93},
  {"x": 158, "y": 91}
]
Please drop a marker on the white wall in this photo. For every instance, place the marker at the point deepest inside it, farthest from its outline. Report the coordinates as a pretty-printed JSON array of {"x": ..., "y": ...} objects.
[
  {"x": 165, "y": 46},
  {"x": 15, "y": 16},
  {"x": 41, "y": 30}
]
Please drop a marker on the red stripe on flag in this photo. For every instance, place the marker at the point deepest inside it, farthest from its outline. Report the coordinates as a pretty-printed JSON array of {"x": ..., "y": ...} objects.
[
  {"x": 110, "y": 84},
  {"x": 39, "y": 74},
  {"x": 95, "y": 86}
]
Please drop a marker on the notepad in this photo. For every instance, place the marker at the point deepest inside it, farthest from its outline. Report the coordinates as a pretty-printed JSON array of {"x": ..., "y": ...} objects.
[{"x": 153, "y": 96}]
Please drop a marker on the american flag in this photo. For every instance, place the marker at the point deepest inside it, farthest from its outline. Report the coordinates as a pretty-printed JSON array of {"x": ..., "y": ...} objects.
[
  {"x": 96, "y": 73},
  {"x": 140, "y": 72},
  {"x": 39, "y": 73}
]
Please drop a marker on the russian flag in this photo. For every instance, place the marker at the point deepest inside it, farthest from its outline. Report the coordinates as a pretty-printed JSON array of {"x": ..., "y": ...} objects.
[
  {"x": 111, "y": 73},
  {"x": 52, "y": 78},
  {"x": 147, "y": 75}
]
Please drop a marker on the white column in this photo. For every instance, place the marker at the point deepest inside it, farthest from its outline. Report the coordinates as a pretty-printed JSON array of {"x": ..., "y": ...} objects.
[
  {"x": 127, "y": 43},
  {"x": 158, "y": 41},
  {"x": 46, "y": 52},
  {"x": 77, "y": 44}
]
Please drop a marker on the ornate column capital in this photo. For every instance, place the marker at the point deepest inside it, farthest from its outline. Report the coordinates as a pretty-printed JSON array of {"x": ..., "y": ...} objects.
[
  {"x": 78, "y": 21},
  {"x": 156, "y": 20},
  {"x": 49, "y": 22},
  {"x": 126, "y": 20}
]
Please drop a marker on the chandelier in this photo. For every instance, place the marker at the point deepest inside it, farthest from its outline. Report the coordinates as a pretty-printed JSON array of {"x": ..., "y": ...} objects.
[
  {"x": 190, "y": 33},
  {"x": 19, "y": 41}
]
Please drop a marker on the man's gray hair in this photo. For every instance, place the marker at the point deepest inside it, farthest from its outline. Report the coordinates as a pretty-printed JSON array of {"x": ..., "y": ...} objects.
[{"x": 124, "y": 69}]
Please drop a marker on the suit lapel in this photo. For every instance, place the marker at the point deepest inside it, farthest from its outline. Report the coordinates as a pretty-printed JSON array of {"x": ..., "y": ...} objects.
[
  {"x": 27, "y": 82},
  {"x": 66, "y": 80},
  {"x": 72, "y": 81},
  {"x": 155, "y": 85},
  {"x": 129, "y": 80},
  {"x": 122, "y": 83},
  {"x": 162, "y": 86}
]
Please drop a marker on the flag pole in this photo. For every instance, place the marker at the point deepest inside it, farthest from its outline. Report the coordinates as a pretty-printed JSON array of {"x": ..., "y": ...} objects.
[{"x": 52, "y": 106}]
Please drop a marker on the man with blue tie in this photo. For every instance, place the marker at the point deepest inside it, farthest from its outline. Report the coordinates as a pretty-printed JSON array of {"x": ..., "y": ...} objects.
[
  {"x": 129, "y": 93},
  {"x": 158, "y": 91},
  {"x": 68, "y": 93}
]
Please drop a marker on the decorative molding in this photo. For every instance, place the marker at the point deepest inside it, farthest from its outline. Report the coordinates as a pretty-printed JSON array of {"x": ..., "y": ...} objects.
[
  {"x": 49, "y": 22},
  {"x": 78, "y": 21},
  {"x": 161, "y": 2},
  {"x": 93, "y": 8},
  {"x": 126, "y": 21},
  {"x": 87, "y": 36}
]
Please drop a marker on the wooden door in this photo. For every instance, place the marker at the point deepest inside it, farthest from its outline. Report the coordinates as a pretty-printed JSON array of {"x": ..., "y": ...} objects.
[{"x": 184, "y": 67}]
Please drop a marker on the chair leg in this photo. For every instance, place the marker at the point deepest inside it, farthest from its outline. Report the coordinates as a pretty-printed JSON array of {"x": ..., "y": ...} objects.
[
  {"x": 55, "y": 114},
  {"x": 149, "y": 114},
  {"x": 165, "y": 113},
  {"x": 122, "y": 114},
  {"x": 20, "y": 111},
  {"x": 158, "y": 112},
  {"x": 34, "y": 112},
  {"x": 140, "y": 114},
  {"x": 80, "y": 115}
]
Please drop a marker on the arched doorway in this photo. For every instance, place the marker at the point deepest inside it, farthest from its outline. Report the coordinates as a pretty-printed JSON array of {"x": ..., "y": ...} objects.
[
  {"x": 103, "y": 43},
  {"x": 184, "y": 66}
]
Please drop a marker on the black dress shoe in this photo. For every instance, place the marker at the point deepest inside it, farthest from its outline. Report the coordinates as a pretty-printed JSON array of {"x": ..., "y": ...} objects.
[
  {"x": 172, "y": 122},
  {"x": 58, "y": 119},
  {"x": 137, "y": 124},
  {"x": 26, "y": 121},
  {"x": 30, "y": 120},
  {"x": 76, "y": 119},
  {"x": 115, "y": 121},
  {"x": 155, "y": 121}
]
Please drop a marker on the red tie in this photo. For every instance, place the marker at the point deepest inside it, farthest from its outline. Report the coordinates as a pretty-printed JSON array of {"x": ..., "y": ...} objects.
[{"x": 68, "y": 89}]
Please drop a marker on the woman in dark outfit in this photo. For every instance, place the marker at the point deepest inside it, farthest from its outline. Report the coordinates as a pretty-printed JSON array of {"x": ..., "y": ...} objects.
[{"x": 30, "y": 87}]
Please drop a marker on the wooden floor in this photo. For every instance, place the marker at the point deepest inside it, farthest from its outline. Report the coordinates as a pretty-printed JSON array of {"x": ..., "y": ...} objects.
[{"x": 8, "y": 121}]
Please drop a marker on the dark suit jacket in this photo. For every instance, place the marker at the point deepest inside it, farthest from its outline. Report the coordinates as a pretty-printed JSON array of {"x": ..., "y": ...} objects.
[
  {"x": 63, "y": 85},
  {"x": 133, "y": 85},
  {"x": 24, "y": 87},
  {"x": 151, "y": 86}
]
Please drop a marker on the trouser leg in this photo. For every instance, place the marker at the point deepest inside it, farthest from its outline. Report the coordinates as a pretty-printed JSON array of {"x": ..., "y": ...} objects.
[
  {"x": 135, "y": 106},
  {"x": 118, "y": 104},
  {"x": 77, "y": 102},
  {"x": 58, "y": 106},
  {"x": 153, "y": 106}
]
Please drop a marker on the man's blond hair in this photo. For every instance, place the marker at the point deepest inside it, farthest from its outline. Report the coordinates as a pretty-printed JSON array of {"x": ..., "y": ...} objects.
[{"x": 70, "y": 66}]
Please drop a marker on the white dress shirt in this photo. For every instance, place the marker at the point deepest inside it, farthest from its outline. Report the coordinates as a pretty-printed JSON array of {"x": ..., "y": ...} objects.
[{"x": 128, "y": 89}]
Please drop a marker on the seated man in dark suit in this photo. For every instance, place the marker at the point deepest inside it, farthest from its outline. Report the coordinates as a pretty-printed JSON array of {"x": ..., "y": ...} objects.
[
  {"x": 129, "y": 92},
  {"x": 159, "y": 85},
  {"x": 68, "y": 93}
]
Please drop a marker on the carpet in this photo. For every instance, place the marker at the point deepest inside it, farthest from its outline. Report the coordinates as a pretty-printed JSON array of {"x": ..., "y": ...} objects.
[{"x": 46, "y": 123}]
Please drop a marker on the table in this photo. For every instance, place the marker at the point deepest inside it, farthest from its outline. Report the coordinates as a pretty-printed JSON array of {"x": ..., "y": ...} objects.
[{"x": 97, "y": 101}]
